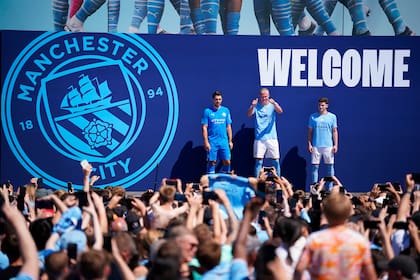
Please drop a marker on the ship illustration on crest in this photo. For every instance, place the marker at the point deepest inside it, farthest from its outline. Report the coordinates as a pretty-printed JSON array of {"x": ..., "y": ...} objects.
[{"x": 88, "y": 94}]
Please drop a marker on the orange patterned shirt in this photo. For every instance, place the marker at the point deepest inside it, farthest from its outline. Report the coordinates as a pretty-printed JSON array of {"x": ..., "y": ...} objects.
[{"x": 336, "y": 253}]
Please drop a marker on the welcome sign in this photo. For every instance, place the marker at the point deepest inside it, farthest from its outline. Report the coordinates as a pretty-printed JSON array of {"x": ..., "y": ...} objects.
[{"x": 131, "y": 105}]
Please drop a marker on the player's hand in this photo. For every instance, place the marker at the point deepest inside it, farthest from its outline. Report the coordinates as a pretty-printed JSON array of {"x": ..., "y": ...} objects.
[{"x": 254, "y": 102}]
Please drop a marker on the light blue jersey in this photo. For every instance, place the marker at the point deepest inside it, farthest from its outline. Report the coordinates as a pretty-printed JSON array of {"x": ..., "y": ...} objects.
[
  {"x": 216, "y": 121},
  {"x": 265, "y": 122},
  {"x": 322, "y": 128}
]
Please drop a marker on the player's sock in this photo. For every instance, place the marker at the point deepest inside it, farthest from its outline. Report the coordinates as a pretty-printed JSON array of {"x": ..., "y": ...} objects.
[
  {"x": 393, "y": 14},
  {"x": 60, "y": 9},
  {"x": 154, "y": 14},
  {"x": 317, "y": 11},
  {"x": 113, "y": 15},
  {"x": 276, "y": 165},
  {"x": 186, "y": 25},
  {"x": 233, "y": 23},
  {"x": 329, "y": 6},
  {"x": 226, "y": 168},
  {"x": 358, "y": 16},
  {"x": 140, "y": 12},
  {"x": 211, "y": 168},
  {"x": 88, "y": 8},
  {"x": 314, "y": 173},
  {"x": 257, "y": 167},
  {"x": 262, "y": 10},
  {"x": 281, "y": 14},
  {"x": 198, "y": 21},
  {"x": 210, "y": 10}
]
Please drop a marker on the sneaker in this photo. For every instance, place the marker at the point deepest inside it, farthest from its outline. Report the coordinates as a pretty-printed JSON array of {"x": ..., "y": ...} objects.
[
  {"x": 132, "y": 29},
  {"x": 366, "y": 33},
  {"x": 161, "y": 31},
  {"x": 407, "y": 32},
  {"x": 309, "y": 31},
  {"x": 74, "y": 25}
]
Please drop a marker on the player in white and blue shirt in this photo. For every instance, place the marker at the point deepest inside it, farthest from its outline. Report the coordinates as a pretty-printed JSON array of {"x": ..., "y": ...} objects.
[
  {"x": 217, "y": 134},
  {"x": 322, "y": 139},
  {"x": 266, "y": 143}
]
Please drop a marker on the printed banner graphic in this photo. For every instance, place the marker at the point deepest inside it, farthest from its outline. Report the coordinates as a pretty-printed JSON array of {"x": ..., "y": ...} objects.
[{"x": 131, "y": 105}]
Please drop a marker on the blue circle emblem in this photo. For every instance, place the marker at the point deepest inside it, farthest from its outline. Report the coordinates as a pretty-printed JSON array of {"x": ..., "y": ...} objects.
[{"x": 107, "y": 98}]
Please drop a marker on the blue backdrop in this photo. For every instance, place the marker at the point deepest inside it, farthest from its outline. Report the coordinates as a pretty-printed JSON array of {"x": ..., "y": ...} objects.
[{"x": 132, "y": 104}]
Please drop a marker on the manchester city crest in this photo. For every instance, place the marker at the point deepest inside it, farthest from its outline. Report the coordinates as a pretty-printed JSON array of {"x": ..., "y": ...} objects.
[{"x": 107, "y": 98}]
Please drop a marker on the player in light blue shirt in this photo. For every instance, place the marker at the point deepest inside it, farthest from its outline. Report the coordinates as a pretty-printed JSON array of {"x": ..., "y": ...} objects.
[
  {"x": 322, "y": 139},
  {"x": 266, "y": 143},
  {"x": 217, "y": 134}
]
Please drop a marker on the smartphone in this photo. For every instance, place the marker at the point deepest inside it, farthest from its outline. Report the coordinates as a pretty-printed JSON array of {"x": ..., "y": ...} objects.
[
  {"x": 416, "y": 177},
  {"x": 69, "y": 187},
  {"x": 268, "y": 169},
  {"x": 397, "y": 186},
  {"x": 72, "y": 251},
  {"x": 196, "y": 186},
  {"x": 261, "y": 190},
  {"x": 292, "y": 203},
  {"x": 84, "y": 163},
  {"x": 392, "y": 210},
  {"x": 107, "y": 243},
  {"x": 209, "y": 195},
  {"x": 328, "y": 179},
  {"x": 21, "y": 198},
  {"x": 261, "y": 215},
  {"x": 383, "y": 187},
  {"x": 279, "y": 196},
  {"x": 171, "y": 182},
  {"x": 371, "y": 224},
  {"x": 44, "y": 204},
  {"x": 400, "y": 225},
  {"x": 180, "y": 197},
  {"x": 127, "y": 202},
  {"x": 82, "y": 197}
]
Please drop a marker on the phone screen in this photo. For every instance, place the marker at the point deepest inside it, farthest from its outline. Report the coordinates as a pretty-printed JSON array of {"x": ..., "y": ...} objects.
[
  {"x": 279, "y": 196},
  {"x": 72, "y": 251},
  {"x": 261, "y": 215},
  {"x": 209, "y": 195}
]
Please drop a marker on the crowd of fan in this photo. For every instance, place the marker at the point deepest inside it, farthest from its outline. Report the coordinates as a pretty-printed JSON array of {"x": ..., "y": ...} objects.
[{"x": 192, "y": 232}]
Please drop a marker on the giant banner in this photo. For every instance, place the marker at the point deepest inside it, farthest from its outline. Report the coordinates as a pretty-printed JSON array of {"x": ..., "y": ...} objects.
[{"x": 131, "y": 105}]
